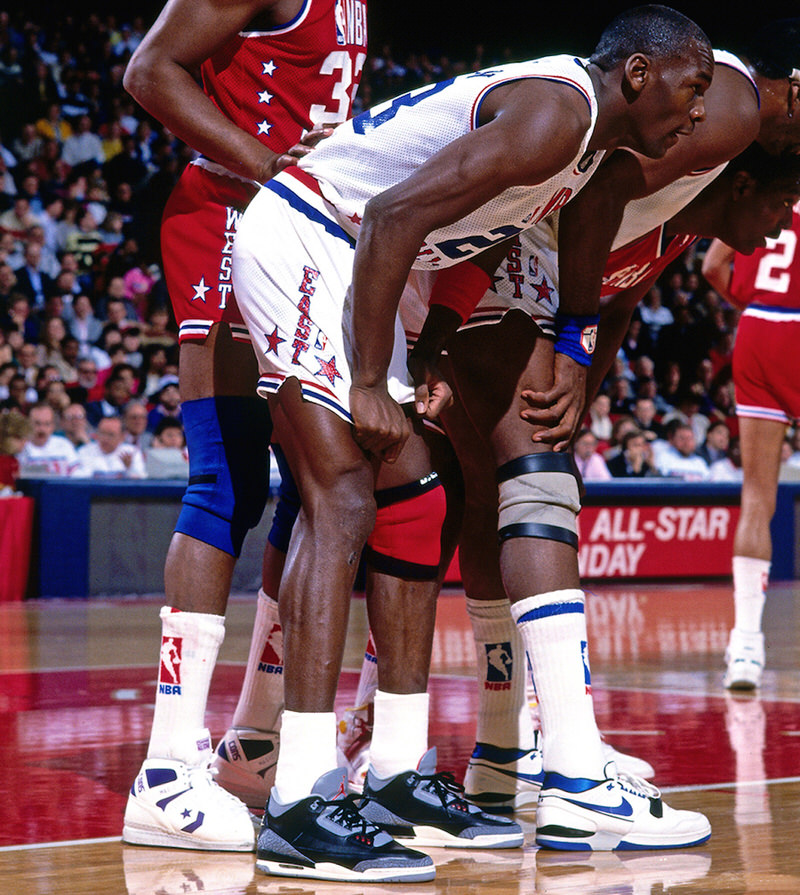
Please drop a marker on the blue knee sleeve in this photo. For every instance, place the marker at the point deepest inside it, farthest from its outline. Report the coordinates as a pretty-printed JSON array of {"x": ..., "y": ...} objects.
[
  {"x": 227, "y": 439},
  {"x": 288, "y": 505}
]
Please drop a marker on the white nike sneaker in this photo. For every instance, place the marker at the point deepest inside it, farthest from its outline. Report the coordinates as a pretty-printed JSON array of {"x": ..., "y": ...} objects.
[
  {"x": 177, "y": 805},
  {"x": 745, "y": 659},
  {"x": 620, "y": 812},
  {"x": 244, "y": 763},
  {"x": 504, "y": 779},
  {"x": 627, "y": 764}
]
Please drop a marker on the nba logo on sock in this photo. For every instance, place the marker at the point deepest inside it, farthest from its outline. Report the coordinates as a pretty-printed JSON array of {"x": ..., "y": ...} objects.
[
  {"x": 499, "y": 664},
  {"x": 271, "y": 661},
  {"x": 169, "y": 671},
  {"x": 587, "y": 675}
]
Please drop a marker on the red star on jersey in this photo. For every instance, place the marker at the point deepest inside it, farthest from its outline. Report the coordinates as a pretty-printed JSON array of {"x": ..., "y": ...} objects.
[
  {"x": 327, "y": 368},
  {"x": 355, "y": 218},
  {"x": 273, "y": 341},
  {"x": 543, "y": 290}
]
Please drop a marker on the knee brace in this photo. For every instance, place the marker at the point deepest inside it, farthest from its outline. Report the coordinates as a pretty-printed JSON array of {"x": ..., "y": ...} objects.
[
  {"x": 288, "y": 505},
  {"x": 539, "y": 498},
  {"x": 228, "y": 443},
  {"x": 406, "y": 539}
]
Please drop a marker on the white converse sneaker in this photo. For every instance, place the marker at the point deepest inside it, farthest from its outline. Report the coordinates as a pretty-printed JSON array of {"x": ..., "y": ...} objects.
[
  {"x": 627, "y": 764},
  {"x": 745, "y": 659},
  {"x": 620, "y": 812},
  {"x": 244, "y": 763},
  {"x": 177, "y": 805},
  {"x": 504, "y": 779},
  {"x": 353, "y": 739}
]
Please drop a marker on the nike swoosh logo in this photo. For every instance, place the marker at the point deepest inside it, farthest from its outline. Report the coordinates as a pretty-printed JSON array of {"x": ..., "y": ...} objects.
[{"x": 624, "y": 809}]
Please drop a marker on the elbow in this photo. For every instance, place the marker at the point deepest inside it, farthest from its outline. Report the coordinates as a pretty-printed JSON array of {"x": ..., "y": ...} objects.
[
  {"x": 393, "y": 220},
  {"x": 138, "y": 75}
]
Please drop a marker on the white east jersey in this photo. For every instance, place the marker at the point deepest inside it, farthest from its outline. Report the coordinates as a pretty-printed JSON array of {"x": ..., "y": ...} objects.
[
  {"x": 384, "y": 146},
  {"x": 528, "y": 277}
]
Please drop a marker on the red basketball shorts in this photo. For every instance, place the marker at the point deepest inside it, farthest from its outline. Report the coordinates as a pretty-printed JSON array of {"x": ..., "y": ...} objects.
[
  {"x": 764, "y": 364},
  {"x": 197, "y": 231}
]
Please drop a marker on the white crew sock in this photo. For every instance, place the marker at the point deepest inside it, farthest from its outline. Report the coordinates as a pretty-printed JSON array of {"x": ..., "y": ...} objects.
[
  {"x": 553, "y": 627},
  {"x": 261, "y": 697},
  {"x": 504, "y": 718},
  {"x": 368, "y": 678},
  {"x": 400, "y": 734},
  {"x": 308, "y": 750},
  {"x": 190, "y": 642},
  {"x": 750, "y": 577}
]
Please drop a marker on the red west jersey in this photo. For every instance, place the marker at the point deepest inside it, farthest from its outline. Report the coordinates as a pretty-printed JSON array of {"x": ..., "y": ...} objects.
[
  {"x": 770, "y": 276},
  {"x": 276, "y": 84},
  {"x": 642, "y": 259}
]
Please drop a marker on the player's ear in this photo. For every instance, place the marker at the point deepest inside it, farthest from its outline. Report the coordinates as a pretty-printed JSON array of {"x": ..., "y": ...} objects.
[
  {"x": 637, "y": 71},
  {"x": 794, "y": 97}
]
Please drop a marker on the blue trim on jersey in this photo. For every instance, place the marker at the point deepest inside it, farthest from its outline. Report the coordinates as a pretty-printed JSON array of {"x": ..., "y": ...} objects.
[
  {"x": 551, "y": 610},
  {"x": 286, "y": 26},
  {"x": 309, "y": 211},
  {"x": 772, "y": 309},
  {"x": 555, "y": 79}
]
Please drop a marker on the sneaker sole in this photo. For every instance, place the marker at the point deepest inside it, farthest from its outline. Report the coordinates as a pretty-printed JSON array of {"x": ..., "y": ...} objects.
[
  {"x": 433, "y": 837},
  {"x": 557, "y": 830},
  {"x": 503, "y": 803},
  {"x": 140, "y": 835},
  {"x": 337, "y": 873}
]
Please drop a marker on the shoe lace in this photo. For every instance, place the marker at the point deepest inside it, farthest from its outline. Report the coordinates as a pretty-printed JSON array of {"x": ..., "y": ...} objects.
[
  {"x": 444, "y": 785},
  {"x": 637, "y": 785},
  {"x": 347, "y": 812},
  {"x": 205, "y": 775}
]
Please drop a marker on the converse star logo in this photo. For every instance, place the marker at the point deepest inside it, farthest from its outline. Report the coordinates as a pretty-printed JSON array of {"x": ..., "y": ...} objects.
[
  {"x": 327, "y": 368},
  {"x": 265, "y": 97},
  {"x": 186, "y": 813},
  {"x": 273, "y": 341},
  {"x": 264, "y": 127},
  {"x": 267, "y": 68},
  {"x": 200, "y": 290}
]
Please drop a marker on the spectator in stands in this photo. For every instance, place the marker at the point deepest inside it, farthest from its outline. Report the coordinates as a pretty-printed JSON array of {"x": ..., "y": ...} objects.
[
  {"x": 47, "y": 454},
  {"x": 167, "y": 402},
  {"x": 49, "y": 351},
  {"x": 74, "y": 426},
  {"x": 633, "y": 461},
  {"x": 644, "y": 415},
  {"x": 21, "y": 396},
  {"x": 53, "y": 125},
  {"x": 83, "y": 324},
  {"x": 84, "y": 145},
  {"x": 84, "y": 241},
  {"x": 654, "y": 315},
  {"x": 18, "y": 219},
  {"x": 134, "y": 421},
  {"x": 687, "y": 410},
  {"x": 621, "y": 395},
  {"x": 153, "y": 368},
  {"x": 27, "y": 362},
  {"x": 86, "y": 386},
  {"x": 117, "y": 392},
  {"x": 15, "y": 430},
  {"x": 716, "y": 443},
  {"x": 599, "y": 420},
  {"x": 157, "y": 331},
  {"x": 108, "y": 456},
  {"x": 132, "y": 344},
  {"x": 167, "y": 457},
  {"x": 28, "y": 145},
  {"x": 621, "y": 425},
  {"x": 678, "y": 457},
  {"x": 591, "y": 465}
]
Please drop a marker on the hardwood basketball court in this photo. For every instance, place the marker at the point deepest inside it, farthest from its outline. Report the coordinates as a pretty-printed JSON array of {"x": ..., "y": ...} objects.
[{"x": 76, "y": 703}]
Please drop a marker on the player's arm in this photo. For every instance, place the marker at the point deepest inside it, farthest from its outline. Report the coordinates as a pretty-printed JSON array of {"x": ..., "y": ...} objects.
[
  {"x": 718, "y": 268},
  {"x": 506, "y": 151},
  {"x": 161, "y": 77}
]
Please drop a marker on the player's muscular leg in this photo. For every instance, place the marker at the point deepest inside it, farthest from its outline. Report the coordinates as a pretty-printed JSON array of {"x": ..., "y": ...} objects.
[
  {"x": 760, "y": 442},
  {"x": 402, "y": 610},
  {"x": 197, "y": 575},
  {"x": 492, "y": 366},
  {"x": 335, "y": 482}
]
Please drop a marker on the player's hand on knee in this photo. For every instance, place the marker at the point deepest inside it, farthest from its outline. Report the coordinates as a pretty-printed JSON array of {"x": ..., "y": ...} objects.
[
  {"x": 379, "y": 425},
  {"x": 559, "y": 409}
]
